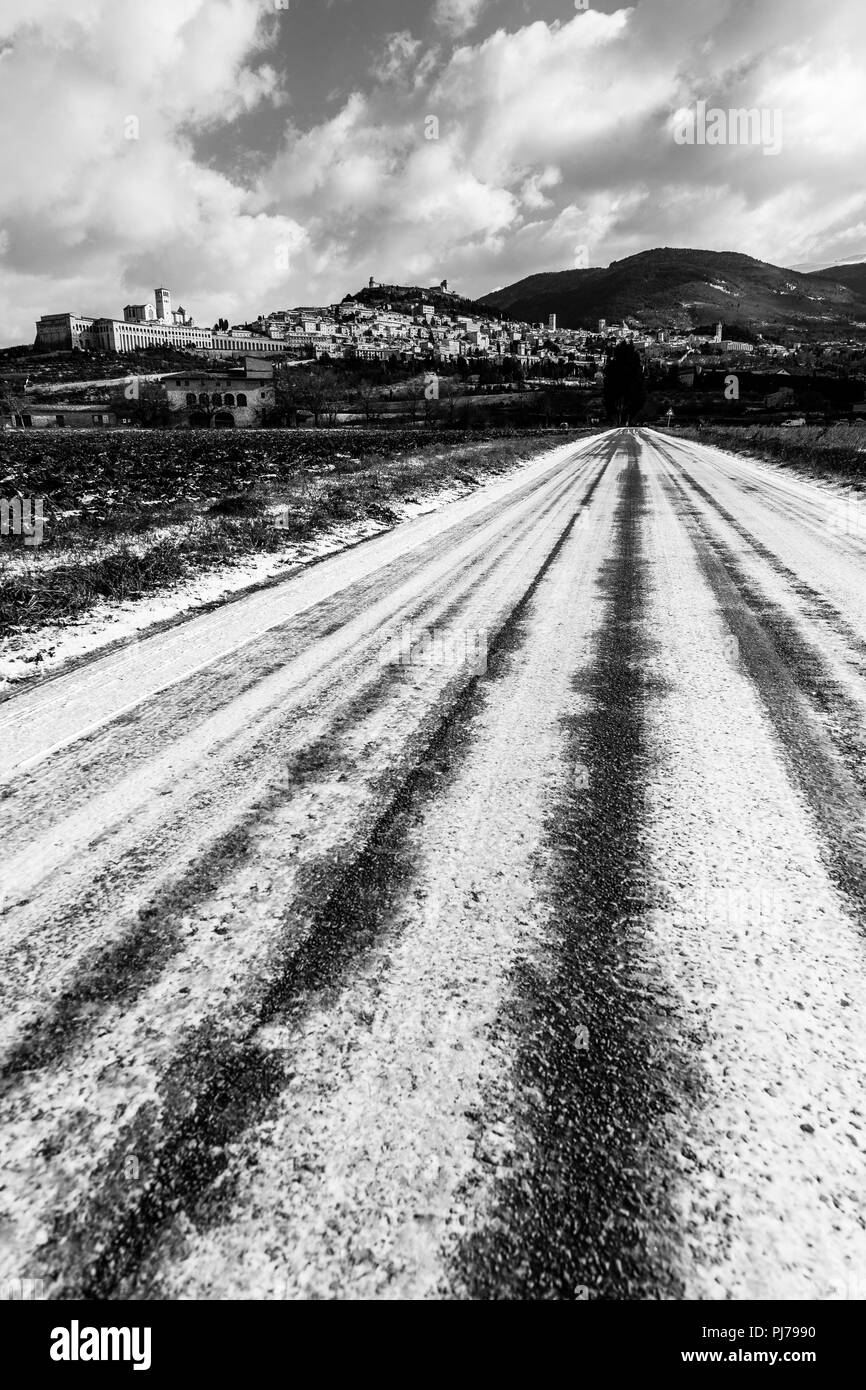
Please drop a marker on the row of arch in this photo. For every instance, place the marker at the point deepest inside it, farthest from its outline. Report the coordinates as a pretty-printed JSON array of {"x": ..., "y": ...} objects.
[
  {"x": 223, "y": 420},
  {"x": 216, "y": 399}
]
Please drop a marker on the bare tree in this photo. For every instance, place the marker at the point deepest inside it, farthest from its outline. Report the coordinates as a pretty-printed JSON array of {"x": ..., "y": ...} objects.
[
  {"x": 313, "y": 393},
  {"x": 11, "y": 402},
  {"x": 143, "y": 403},
  {"x": 450, "y": 391},
  {"x": 285, "y": 383},
  {"x": 333, "y": 399},
  {"x": 368, "y": 395},
  {"x": 431, "y": 398},
  {"x": 414, "y": 394}
]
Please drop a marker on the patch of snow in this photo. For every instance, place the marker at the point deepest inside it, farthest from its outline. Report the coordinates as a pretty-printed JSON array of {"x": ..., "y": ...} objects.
[{"x": 55, "y": 645}]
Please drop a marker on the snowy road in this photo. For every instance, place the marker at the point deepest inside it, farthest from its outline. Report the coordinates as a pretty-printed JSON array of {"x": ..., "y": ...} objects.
[{"x": 477, "y": 914}]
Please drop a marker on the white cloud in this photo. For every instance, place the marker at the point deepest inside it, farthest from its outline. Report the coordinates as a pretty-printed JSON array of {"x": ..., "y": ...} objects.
[
  {"x": 532, "y": 194},
  {"x": 101, "y": 181},
  {"x": 457, "y": 17},
  {"x": 397, "y": 59},
  {"x": 592, "y": 99}
]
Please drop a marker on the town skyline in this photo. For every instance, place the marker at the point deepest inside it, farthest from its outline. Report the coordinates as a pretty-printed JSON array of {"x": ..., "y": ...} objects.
[{"x": 119, "y": 334}]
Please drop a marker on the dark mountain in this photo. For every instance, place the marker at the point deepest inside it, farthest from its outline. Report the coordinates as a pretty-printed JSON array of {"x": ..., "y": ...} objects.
[
  {"x": 853, "y": 276},
  {"x": 684, "y": 288}
]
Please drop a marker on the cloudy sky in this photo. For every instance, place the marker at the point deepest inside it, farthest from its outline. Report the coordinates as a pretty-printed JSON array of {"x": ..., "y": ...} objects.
[{"x": 257, "y": 154}]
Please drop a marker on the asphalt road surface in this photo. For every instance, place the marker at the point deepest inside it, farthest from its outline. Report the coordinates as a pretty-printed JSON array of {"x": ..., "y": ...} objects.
[{"x": 475, "y": 914}]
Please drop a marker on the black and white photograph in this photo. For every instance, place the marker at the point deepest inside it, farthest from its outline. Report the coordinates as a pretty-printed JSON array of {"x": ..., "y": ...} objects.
[{"x": 432, "y": 665}]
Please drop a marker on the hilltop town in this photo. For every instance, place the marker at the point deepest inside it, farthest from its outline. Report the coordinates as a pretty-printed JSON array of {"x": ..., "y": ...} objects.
[
  {"x": 374, "y": 350},
  {"x": 385, "y": 323}
]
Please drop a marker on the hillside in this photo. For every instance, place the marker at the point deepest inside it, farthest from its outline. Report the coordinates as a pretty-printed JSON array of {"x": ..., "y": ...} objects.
[
  {"x": 685, "y": 288},
  {"x": 403, "y": 298},
  {"x": 37, "y": 367},
  {"x": 853, "y": 276}
]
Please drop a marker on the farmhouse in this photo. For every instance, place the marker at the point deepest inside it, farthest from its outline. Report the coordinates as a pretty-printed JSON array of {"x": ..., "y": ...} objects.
[
  {"x": 221, "y": 400},
  {"x": 58, "y": 415}
]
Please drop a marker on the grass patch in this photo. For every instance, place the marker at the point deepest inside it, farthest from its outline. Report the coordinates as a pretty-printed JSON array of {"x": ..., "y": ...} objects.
[
  {"x": 818, "y": 451},
  {"x": 145, "y": 511}
]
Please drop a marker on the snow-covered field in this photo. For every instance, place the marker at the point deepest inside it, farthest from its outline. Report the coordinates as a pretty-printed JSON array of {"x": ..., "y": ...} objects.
[{"x": 30, "y": 654}]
